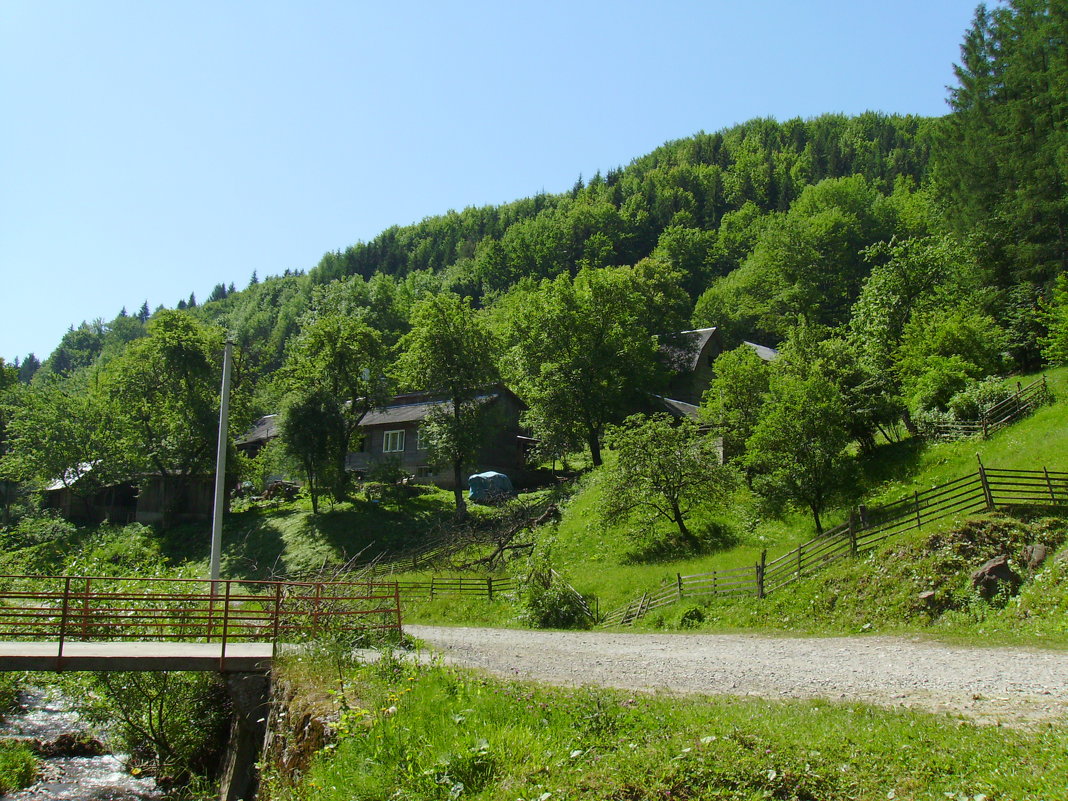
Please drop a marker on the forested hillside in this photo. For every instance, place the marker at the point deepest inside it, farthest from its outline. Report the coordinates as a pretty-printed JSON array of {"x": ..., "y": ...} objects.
[{"x": 897, "y": 262}]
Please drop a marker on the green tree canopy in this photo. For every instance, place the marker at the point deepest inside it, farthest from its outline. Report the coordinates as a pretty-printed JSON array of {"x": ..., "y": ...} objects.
[
  {"x": 663, "y": 469},
  {"x": 579, "y": 351},
  {"x": 450, "y": 350},
  {"x": 797, "y": 450}
]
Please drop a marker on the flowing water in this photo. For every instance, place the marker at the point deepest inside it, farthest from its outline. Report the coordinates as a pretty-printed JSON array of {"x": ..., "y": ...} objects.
[{"x": 45, "y": 716}]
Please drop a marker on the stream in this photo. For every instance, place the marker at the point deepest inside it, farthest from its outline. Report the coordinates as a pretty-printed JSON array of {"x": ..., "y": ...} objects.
[{"x": 45, "y": 716}]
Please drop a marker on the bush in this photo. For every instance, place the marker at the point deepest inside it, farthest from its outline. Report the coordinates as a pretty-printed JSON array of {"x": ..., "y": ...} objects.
[
  {"x": 692, "y": 618},
  {"x": 972, "y": 401},
  {"x": 554, "y": 605}
]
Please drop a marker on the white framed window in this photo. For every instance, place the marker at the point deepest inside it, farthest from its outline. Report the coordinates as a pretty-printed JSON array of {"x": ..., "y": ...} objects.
[
  {"x": 393, "y": 441},
  {"x": 420, "y": 440}
]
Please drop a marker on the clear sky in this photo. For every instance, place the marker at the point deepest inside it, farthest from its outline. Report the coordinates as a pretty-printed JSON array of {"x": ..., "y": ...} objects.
[{"x": 153, "y": 149}]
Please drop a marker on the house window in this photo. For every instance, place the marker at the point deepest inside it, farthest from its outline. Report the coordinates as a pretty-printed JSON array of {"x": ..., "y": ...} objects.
[
  {"x": 420, "y": 440},
  {"x": 423, "y": 472},
  {"x": 393, "y": 441}
]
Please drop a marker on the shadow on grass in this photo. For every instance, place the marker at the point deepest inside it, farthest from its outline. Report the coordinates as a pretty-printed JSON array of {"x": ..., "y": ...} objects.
[
  {"x": 891, "y": 461},
  {"x": 657, "y": 547},
  {"x": 261, "y": 542}
]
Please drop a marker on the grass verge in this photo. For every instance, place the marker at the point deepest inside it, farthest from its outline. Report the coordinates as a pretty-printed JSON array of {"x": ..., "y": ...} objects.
[{"x": 434, "y": 732}]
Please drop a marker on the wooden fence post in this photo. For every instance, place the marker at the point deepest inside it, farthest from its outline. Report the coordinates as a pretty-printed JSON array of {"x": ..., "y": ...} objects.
[
  {"x": 800, "y": 552},
  {"x": 489, "y": 588},
  {"x": 431, "y": 588},
  {"x": 852, "y": 533},
  {"x": 85, "y": 611},
  {"x": 1052, "y": 494},
  {"x": 63, "y": 617},
  {"x": 986, "y": 486},
  {"x": 678, "y": 584},
  {"x": 760, "y": 573},
  {"x": 916, "y": 501}
]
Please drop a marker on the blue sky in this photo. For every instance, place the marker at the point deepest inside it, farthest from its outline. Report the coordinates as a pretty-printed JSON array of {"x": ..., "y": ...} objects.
[{"x": 150, "y": 150}]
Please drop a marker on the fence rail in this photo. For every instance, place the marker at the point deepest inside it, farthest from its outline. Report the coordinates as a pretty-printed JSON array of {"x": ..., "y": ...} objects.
[
  {"x": 1022, "y": 402},
  {"x": 986, "y": 489},
  {"x": 95, "y": 608}
]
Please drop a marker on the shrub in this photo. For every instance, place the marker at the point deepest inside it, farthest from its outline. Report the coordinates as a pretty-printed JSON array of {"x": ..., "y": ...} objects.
[{"x": 554, "y": 605}]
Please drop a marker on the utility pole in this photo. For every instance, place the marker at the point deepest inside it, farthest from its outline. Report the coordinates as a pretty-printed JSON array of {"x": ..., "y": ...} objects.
[{"x": 220, "y": 466}]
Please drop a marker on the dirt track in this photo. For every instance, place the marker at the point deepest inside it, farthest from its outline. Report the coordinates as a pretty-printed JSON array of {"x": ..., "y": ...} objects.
[{"x": 1009, "y": 686}]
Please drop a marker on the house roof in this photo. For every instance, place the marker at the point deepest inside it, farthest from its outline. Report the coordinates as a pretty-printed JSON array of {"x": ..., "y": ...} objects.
[
  {"x": 678, "y": 408},
  {"x": 262, "y": 430},
  {"x": 684, "y": 349},
  {"x": 763, "y": 351},
  {"x": 414, "y": 407}
]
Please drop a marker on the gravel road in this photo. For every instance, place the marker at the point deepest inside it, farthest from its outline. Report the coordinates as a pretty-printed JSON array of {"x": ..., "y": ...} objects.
[{"x": 990, "y": 685}]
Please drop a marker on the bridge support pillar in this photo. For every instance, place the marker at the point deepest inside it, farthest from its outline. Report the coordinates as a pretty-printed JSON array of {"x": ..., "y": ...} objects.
[{"x": 250, "y": 699}]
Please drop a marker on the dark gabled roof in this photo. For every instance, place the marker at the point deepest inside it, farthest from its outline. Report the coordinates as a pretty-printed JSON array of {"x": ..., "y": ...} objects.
[
  {"x": 264, "y": 429},
  {"x": 763, "y": 351},
  {"x": 683, "y": 350},
  {"x": 677, "y": 408},
  {"x": 414, "y": 406}
]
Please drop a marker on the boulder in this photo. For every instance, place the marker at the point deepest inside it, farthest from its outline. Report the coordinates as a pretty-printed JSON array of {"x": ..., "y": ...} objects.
[
  {"x": 70, "y": 745},
  {"x": 927, "y": 599},
  {"x": 1034, "y": 555},
  {"x": 995, "y": 574}
]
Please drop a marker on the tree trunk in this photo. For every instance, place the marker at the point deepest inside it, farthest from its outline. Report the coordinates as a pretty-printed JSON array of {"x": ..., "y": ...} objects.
[
  {"x": 680, "y": 521},
  {"x": 816, "y": 517},
  {"x": 595, "y": 448},
  {"x": 458, "y": 490}
]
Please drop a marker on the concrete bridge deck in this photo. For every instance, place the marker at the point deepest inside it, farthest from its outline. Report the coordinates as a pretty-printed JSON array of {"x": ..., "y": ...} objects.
[{"x": 147, "y": 656}]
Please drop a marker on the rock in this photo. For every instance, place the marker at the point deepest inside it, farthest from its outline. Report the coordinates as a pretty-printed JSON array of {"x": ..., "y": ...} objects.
[
  {"x": 995, "y": 574},
  {"x": 1034, "y": 555},
  {"x": 70, "y": 745},
  {"x": 927, "y": 598}
]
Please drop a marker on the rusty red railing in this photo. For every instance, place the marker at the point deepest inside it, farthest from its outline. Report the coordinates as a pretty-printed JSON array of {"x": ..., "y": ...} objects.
[{"x": 98, "y": 608}]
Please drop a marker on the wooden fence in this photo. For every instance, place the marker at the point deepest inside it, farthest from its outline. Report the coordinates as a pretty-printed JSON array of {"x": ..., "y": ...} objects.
[
  {"x": 1021, "y": 403},
  {"x": 488, "y": 587},
  {"x": 986, "y": 489},
  {"x": 89, "y": 608}
]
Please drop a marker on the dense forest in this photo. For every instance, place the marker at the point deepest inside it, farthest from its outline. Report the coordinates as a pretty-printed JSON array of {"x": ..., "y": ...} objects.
[{"x": 896, "y": 261}]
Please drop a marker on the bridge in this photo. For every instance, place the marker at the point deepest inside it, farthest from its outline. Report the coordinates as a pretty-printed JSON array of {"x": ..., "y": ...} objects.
[{"x": 55, "y": 623}]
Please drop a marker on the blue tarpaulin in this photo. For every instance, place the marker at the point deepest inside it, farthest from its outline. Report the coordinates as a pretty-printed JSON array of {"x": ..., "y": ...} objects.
[{"x": 489, "y": 486}]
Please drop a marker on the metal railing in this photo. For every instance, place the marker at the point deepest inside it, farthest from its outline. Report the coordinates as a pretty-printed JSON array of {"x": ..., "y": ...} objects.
[{"x": 62, "y": 609}]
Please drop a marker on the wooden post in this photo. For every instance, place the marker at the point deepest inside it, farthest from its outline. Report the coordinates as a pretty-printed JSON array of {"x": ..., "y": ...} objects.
[
  {"x": 852, "y": 534},
  {"x": 489, "y": 588},
  {"x": 85, "y": 610},
  {"x": 986, "y": 486},
  {"x": 225, "y": 626},
  {"x": 678, "y": 584},
  {"x": 916, "y": 501},
  {"x": 415, "y": 561},
  {"x": 277, "y": 612},
  {"x": 396, "y": 600},
  {"x": 431, "y": 588},
  {"x": 315, "y": 607},
  {"x": 800, "y": 553},
  {"x": 760, "y": 573},
  {"x": 863, "y": 516},
  {"x": 1052, "y": 494},
  {"x": 63, "y": 617}
]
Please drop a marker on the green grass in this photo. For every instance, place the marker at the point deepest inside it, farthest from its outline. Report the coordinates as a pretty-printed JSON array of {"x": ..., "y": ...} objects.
[
  {"x": 880, "y": 592},
  {"x": 288, "y": 538},
  {"x": 601, "y": 559},
  {"x": 18, "y": 766},
  {"x": 433, "y": 732}
]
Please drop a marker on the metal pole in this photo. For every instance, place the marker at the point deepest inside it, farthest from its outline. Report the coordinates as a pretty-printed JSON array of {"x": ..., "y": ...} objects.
[{"x": 220, "y": 466}]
